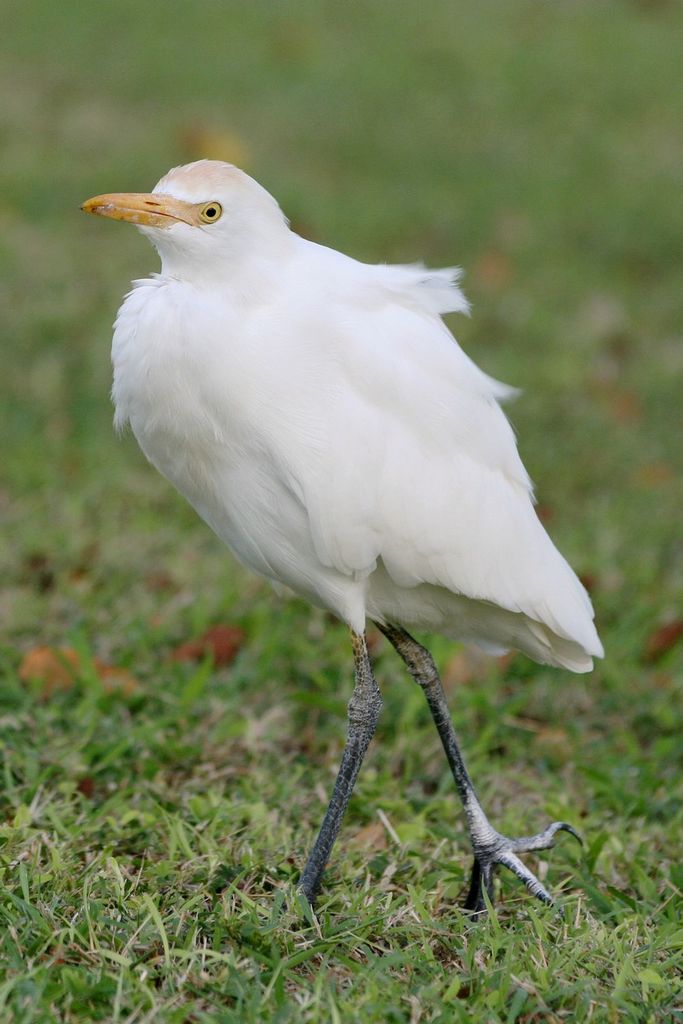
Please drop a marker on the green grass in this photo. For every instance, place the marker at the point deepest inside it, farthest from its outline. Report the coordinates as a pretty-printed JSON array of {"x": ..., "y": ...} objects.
[{"x": 150, "y": 842}]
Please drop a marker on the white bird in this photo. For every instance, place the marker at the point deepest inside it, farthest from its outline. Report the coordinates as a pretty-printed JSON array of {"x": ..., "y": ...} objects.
[{"x": 320, "y": 417}]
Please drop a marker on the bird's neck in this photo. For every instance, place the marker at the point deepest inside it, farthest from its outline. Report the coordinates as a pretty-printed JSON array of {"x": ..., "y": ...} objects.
[{"x": 245, "y": 269}]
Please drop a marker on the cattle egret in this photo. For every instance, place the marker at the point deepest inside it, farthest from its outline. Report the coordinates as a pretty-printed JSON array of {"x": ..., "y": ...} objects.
[{"x": 320, "y": 417}]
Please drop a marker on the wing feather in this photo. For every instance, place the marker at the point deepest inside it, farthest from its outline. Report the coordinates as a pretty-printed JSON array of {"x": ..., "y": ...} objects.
[{"x": 422, "y": 473}]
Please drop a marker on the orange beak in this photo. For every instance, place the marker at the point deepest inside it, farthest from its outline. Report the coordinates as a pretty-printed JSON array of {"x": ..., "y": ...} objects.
[{"x": 148, "y": 209}]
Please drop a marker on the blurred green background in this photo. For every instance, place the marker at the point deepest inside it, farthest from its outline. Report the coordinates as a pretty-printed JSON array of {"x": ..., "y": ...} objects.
[{"x": 539, "y": 146}]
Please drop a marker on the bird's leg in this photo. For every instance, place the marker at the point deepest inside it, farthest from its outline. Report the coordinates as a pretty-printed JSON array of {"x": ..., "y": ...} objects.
[
  {"x": 490, "y": 847},
  {"x": 364, "y": 708}
]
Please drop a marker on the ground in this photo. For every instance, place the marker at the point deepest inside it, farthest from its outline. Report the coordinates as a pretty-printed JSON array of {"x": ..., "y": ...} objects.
[{"x": 156, "y": 812}]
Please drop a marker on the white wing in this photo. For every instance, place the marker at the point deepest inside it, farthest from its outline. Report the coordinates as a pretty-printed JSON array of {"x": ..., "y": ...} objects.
[{"x": 421, "y": 488}]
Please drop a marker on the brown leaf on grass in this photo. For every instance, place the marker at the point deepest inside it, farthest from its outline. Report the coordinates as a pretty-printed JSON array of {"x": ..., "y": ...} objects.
[
  {"x": 86, "y": 786},
  {"x": 663, "y": 640},
  {"x": 115, "y": 679},
  {"x": 371, "y": 837},
  {"x": 54, "y": 668},
  {"x": 57, "y": 668},
  {"x": 220, "y": 643}
]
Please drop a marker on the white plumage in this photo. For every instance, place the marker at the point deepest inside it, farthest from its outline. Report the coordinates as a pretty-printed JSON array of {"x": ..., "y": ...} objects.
[
  {"x": 323, "y": 421},
  {"x": 321, "y": 418}
]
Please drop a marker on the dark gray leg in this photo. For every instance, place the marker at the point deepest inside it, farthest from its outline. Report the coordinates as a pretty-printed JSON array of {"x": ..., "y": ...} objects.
[
  {"x": 364, "y": 708},
  {"x": 490, "y": 847}
]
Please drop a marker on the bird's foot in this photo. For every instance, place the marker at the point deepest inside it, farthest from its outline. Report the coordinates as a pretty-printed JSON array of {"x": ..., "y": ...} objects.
[{"x": 497, "y": 849}]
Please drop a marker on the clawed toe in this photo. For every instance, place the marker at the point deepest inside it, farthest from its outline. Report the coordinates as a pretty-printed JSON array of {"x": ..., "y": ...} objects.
[
  {"x": 503, "y": 851},
  {"x": 543, "y": 840}
]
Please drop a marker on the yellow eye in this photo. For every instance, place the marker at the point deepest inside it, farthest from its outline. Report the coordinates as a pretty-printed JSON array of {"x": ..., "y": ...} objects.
[{"x": 210, "y": 212}]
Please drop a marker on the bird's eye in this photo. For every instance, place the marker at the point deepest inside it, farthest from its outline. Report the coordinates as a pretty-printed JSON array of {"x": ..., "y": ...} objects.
[{"x": 210, "y": 212}]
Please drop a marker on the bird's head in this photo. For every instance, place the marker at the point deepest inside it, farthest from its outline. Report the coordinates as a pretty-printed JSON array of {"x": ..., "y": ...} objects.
[{"x": 203, "y": 218}]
